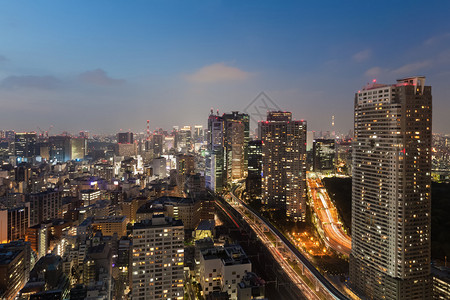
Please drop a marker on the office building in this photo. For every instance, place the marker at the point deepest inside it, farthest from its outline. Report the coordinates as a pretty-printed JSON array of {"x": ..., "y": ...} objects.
[
  {"x": 185, "y": 164},
  {"x": 158, "y": 259},
  {"x": 188, "y": 210},
  {"x": 25, "y": 146},
  {"x": 183, "y": 139},
  {"x": 45, "y": 206},
  {"x": 14, "y": 268},
  {"x": 47, "y": 280},
  {"x": 198, "y": 133},
  {"x": 159, "y": 167},
  {"x": 78, "y": 148},
  {"x": 125, "y": 149},
  {"x": 110, "y": 225},
  {"x": 391, "y": 202},
  {"x": 14, "y": 222},
  {"x": 125, "y": 138},
  {"x": 284, "y": 163},
  {"x": 324, "y": 155},
  {"x": 37, "y": 236},
  {"x": 214, "y": 160},
  {"x": 60, "y": 149},
  {"x": 90, "y": 196},
  {"x": 254, "y": 178},
  {"x": 157, "y": 144},
  {"x": 236, "y": 138}
]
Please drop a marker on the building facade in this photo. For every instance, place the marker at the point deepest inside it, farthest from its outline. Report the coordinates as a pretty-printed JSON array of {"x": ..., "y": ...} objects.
[
  {"x": 158, "y": 259},
  {"x": 324, "y": 155},
  {"x": 214, "y": 160},
  {"x": 222, "y": 269},
  {"x": 236, "y": 138},
  {"x": 254, "y": 178},
  {"x": 284, "y": 163},
  {"x": 60, "y": 149},
  {"x": 391, "y": 191},
  {"x": 25, "y": 146},
  {"x": 14, "y": 222}
]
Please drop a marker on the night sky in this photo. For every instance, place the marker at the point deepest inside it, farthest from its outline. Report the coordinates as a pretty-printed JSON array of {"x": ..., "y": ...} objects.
[{"x": 109, "y": 65}]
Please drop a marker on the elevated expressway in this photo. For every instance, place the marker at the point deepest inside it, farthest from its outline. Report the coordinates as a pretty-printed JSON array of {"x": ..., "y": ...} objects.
[{"x": 259, "y": 225}]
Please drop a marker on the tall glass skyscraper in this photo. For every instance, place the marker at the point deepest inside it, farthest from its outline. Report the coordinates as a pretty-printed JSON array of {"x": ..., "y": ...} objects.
[{"x": 391, "y": 202}]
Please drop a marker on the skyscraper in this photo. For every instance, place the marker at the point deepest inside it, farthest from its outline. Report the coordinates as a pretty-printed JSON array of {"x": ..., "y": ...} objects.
[
  {"x": 227, "y": 157},
  {"x": 236, "y": 138},
  {"x": 391, "y": 203},
  {"x": 214, "y": 176},
  {"x": 284, "y": 163},
  {"x": 254, "y": 180}
]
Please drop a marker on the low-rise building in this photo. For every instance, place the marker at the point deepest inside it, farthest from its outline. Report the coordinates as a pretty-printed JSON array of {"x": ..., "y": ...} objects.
[
  {"x": 222, "y": 268},
  {"x": 110, "y": 225}
]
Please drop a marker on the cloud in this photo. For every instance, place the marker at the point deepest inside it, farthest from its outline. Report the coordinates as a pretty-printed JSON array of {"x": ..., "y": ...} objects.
[
  {"x": 218, "y": 72},
  {"x": 3, "y": 58},
  {"x": 374, "y": 72},
  {"x": 30, "y": 81},
  {"x": 436, "y": 39},
  {"x": 413, "y": 67},
  {"x": 99, "y": 77},
  {"x": 407, "y": 69},
  {"x": 362, "y": 55}
]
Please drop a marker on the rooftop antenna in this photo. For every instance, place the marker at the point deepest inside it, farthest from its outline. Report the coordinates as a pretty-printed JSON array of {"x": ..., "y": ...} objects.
[{"x": 148, "y": 130}]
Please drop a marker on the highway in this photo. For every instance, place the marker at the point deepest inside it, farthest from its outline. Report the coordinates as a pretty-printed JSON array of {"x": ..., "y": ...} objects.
[
  {"x": 309, "y": 267},
  {"x": 335, "y": 237},
  {"x": 281, "y": 260}
]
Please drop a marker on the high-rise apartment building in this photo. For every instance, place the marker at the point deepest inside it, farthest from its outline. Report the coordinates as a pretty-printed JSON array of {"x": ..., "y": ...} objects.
[
  {"x": 158, "y": 259},
  {"x": 391, "y": 203},
  {"x": 284, "y": 163}
]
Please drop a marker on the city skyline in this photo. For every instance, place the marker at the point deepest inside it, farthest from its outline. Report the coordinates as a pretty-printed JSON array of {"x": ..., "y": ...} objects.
[{"x": 112, "y": 65}]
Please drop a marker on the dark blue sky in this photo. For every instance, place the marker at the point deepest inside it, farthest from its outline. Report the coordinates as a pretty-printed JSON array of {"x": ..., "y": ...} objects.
[{"x": 106, "y": 65}]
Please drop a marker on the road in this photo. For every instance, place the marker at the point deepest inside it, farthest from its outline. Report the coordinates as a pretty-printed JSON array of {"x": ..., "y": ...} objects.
[
  {"x": 281, "y": 260},
  {"x": 335, "y": 236},
  {"x": 308, "y": 266}
]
